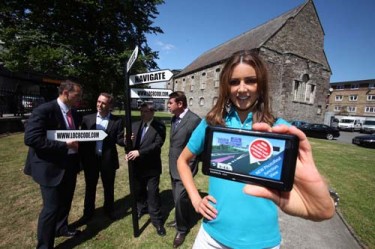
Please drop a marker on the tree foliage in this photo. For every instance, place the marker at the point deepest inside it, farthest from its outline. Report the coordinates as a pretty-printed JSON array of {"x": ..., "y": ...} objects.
[{"x": 87, "y": 39}]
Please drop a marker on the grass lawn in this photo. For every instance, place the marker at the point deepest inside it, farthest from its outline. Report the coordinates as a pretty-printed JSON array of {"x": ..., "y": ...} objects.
[{"x": 349, "y": 170}]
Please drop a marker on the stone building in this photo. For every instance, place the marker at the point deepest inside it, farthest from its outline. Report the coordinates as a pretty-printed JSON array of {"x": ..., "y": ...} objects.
[{"x": 292, "y": 45}]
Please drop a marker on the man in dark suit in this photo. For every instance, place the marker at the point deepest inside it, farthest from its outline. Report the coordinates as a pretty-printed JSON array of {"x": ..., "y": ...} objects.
[
  {"x": 100, "y": 157},
  {"x": 183, "y": 124},
  {"x": 148, "y": 138},
  {"x": 54, "y": 164}
]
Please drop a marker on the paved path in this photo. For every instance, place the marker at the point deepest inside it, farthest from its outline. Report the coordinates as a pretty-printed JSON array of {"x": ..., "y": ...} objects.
[{"x": 304, "y": 234}]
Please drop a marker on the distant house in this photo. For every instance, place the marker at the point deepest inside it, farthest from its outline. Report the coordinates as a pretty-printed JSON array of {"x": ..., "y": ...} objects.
[
  {"x": 352, "y": 98},
  {"x": 293, "y": 47}
]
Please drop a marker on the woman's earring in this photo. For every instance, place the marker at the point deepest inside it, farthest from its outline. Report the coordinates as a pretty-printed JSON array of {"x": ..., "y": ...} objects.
[{"x": 228, "y": 106}]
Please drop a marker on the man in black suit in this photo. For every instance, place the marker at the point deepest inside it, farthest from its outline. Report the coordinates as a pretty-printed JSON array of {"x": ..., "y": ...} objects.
[
  {"x": 54, "y": 164},
  {"x": 183, "y": 124},
  {"x": 100, "y": 157},
  {"x": 148, "y": 137}
]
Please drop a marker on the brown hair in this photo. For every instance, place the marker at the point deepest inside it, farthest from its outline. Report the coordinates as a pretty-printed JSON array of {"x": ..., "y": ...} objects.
[
  {"x": 68, "y": 85},
  {"x": 261, "y": 110},
  {"x": 179, "y": 96},
  {"x": 108, "y": 96}
]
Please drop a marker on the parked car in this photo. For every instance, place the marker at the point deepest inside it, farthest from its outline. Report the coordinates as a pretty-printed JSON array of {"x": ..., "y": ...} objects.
[
  {"x": 298, "y": 123},
  {"x": 365, "y": 140},
  {"x": 320, "y": 131}
]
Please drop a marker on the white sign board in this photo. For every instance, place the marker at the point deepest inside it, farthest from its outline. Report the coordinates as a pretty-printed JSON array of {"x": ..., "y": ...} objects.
[
  {"x": 77, "y": 135},
  {"x": 151, "y": 77},
  {"x": 147, "y": 93},
  {"x": 132, "y": 59}
]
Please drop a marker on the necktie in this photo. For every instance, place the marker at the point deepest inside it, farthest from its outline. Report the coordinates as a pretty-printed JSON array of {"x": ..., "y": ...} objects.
[
  {"x": 144, "y": 131},
  {"x": 176, "y": 122},
  {"x": 69, "y": 117}
]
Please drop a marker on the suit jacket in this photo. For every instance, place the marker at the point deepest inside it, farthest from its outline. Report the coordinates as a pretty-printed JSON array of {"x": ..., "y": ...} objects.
[
  {"x": 46, "y": 159},
  {"x": 149, "y": 161},
  {"x": 179, "y": 137},
  {"x": 115, "y": 135}
]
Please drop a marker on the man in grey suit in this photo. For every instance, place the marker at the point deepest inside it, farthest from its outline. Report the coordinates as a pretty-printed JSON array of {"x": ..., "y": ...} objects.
[{"x": 183, "y": 124}]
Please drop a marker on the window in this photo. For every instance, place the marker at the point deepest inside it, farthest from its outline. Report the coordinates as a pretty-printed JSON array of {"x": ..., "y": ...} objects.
[
  {"x": 370, "y": 97},
  {"x": 351, "y": 109},
  {"x": 353, "y": 97},
  {"x": 371, "y": 85},
  {"x": 370, "y": 109},
  {"x": 304, "y": 91},
  {"x": 354, "y": 86},
  {"x": 337, "y": 108},
  {"x": 340, "y": 87},
  {"x": 183, "y": 83},
  {"x": 203, "y": 81},
  {"x": 338, "y": 98},
  {"x": 192, "y": 82},
  {"x": 201, "y": 101},
  {"x": 191, "y": 101},
  {"x": 217, "y": 78}
]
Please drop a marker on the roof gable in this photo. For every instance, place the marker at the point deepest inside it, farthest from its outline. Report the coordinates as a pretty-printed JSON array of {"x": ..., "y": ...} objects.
[{"x": 251, "y": 39}]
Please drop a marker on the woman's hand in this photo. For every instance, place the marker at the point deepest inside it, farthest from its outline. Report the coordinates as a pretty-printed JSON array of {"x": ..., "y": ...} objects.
[
  {"x": 204, "y": 207},
  {"x": 309, "y": 198}
]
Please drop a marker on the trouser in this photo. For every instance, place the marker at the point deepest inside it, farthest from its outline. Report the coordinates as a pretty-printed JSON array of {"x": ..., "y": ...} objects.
[
  {"x": 185, "y": 214},
  {"x": 148, "y": 197},
  {"x": 57, "y": 202},
  {"x": 91, "y": 178}
]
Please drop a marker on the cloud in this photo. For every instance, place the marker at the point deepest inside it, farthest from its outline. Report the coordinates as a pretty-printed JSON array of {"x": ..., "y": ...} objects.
[{"x": 165, "y": 46}]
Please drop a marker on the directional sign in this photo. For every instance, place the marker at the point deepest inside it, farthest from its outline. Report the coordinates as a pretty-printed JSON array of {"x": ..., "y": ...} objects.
[
  {"x": 147, "y": 93},
  {"x": 132, "y": 59},
  {"x": 151, "y": 77},
  {"x": 77, "y": 135}
]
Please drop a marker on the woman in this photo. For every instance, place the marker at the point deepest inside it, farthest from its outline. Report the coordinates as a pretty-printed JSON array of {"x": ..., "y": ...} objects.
[{"x": 245, "y": 216}]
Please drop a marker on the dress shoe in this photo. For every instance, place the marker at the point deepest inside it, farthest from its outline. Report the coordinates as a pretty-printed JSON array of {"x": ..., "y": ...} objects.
[
  {"x": 68, "y": 233},
  {"x": 160, "y": 230},
  {"x": 171, "y": 223},
  {"x": 179, "y": 239}
]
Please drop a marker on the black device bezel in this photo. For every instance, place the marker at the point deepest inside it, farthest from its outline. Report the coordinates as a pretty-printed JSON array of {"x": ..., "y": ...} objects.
[{"x": 288, "y": 167}]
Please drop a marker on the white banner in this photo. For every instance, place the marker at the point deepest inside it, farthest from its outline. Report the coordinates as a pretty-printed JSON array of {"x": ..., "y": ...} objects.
[
  {"x": 147, "y": 93},
  {"x": 77, "y": 135}
]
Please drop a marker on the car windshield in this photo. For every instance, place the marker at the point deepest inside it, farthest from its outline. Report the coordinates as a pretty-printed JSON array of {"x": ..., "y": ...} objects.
[{"x": 347, "y": 121}]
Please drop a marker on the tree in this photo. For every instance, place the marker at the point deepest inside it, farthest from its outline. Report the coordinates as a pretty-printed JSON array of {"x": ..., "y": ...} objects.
[{"x": 86, "y": 39}]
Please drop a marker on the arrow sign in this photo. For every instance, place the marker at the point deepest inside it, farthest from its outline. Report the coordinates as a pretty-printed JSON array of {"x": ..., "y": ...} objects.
[
  {"x": 151, "y": 77},
  {"x": 77, "y": 135},
  {"x": 146, "y": 93},
  {"x": 132, "y": 59}
]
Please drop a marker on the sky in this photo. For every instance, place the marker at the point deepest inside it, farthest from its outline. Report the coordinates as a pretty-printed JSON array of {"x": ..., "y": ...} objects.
[{"x": 192, "y": 27}]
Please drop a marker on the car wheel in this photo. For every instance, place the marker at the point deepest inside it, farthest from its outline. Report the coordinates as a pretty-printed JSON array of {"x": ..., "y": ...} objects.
[{"x": 329, "y": 136}]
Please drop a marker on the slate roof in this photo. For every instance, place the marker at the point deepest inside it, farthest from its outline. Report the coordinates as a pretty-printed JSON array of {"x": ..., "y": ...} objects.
[{"x": 251, "y": 39}]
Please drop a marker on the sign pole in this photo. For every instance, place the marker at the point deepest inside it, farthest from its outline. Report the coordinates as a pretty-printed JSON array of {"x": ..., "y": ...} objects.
[{"x": 129, "y": 143}]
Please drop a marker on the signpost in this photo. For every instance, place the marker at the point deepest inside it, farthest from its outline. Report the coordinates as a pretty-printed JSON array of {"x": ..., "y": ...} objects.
[
  {"x": 145, "y": 78},
  {"x": 77, "y": 135},
  {"x": 151, "y": 77},
  {"x": 129, "y": 143}
]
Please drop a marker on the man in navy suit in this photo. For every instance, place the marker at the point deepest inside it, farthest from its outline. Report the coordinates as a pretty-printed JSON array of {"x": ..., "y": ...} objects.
[
  {"x": 54, "y": 164},
  {"x": 101, "y": 157},
  {"x": 148, "y": 137},
  {"x": 183, "y": 124}
]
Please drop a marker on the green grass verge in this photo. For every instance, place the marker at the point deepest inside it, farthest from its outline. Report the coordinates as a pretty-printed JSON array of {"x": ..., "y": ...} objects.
[{"x": 349, "y": 170}]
